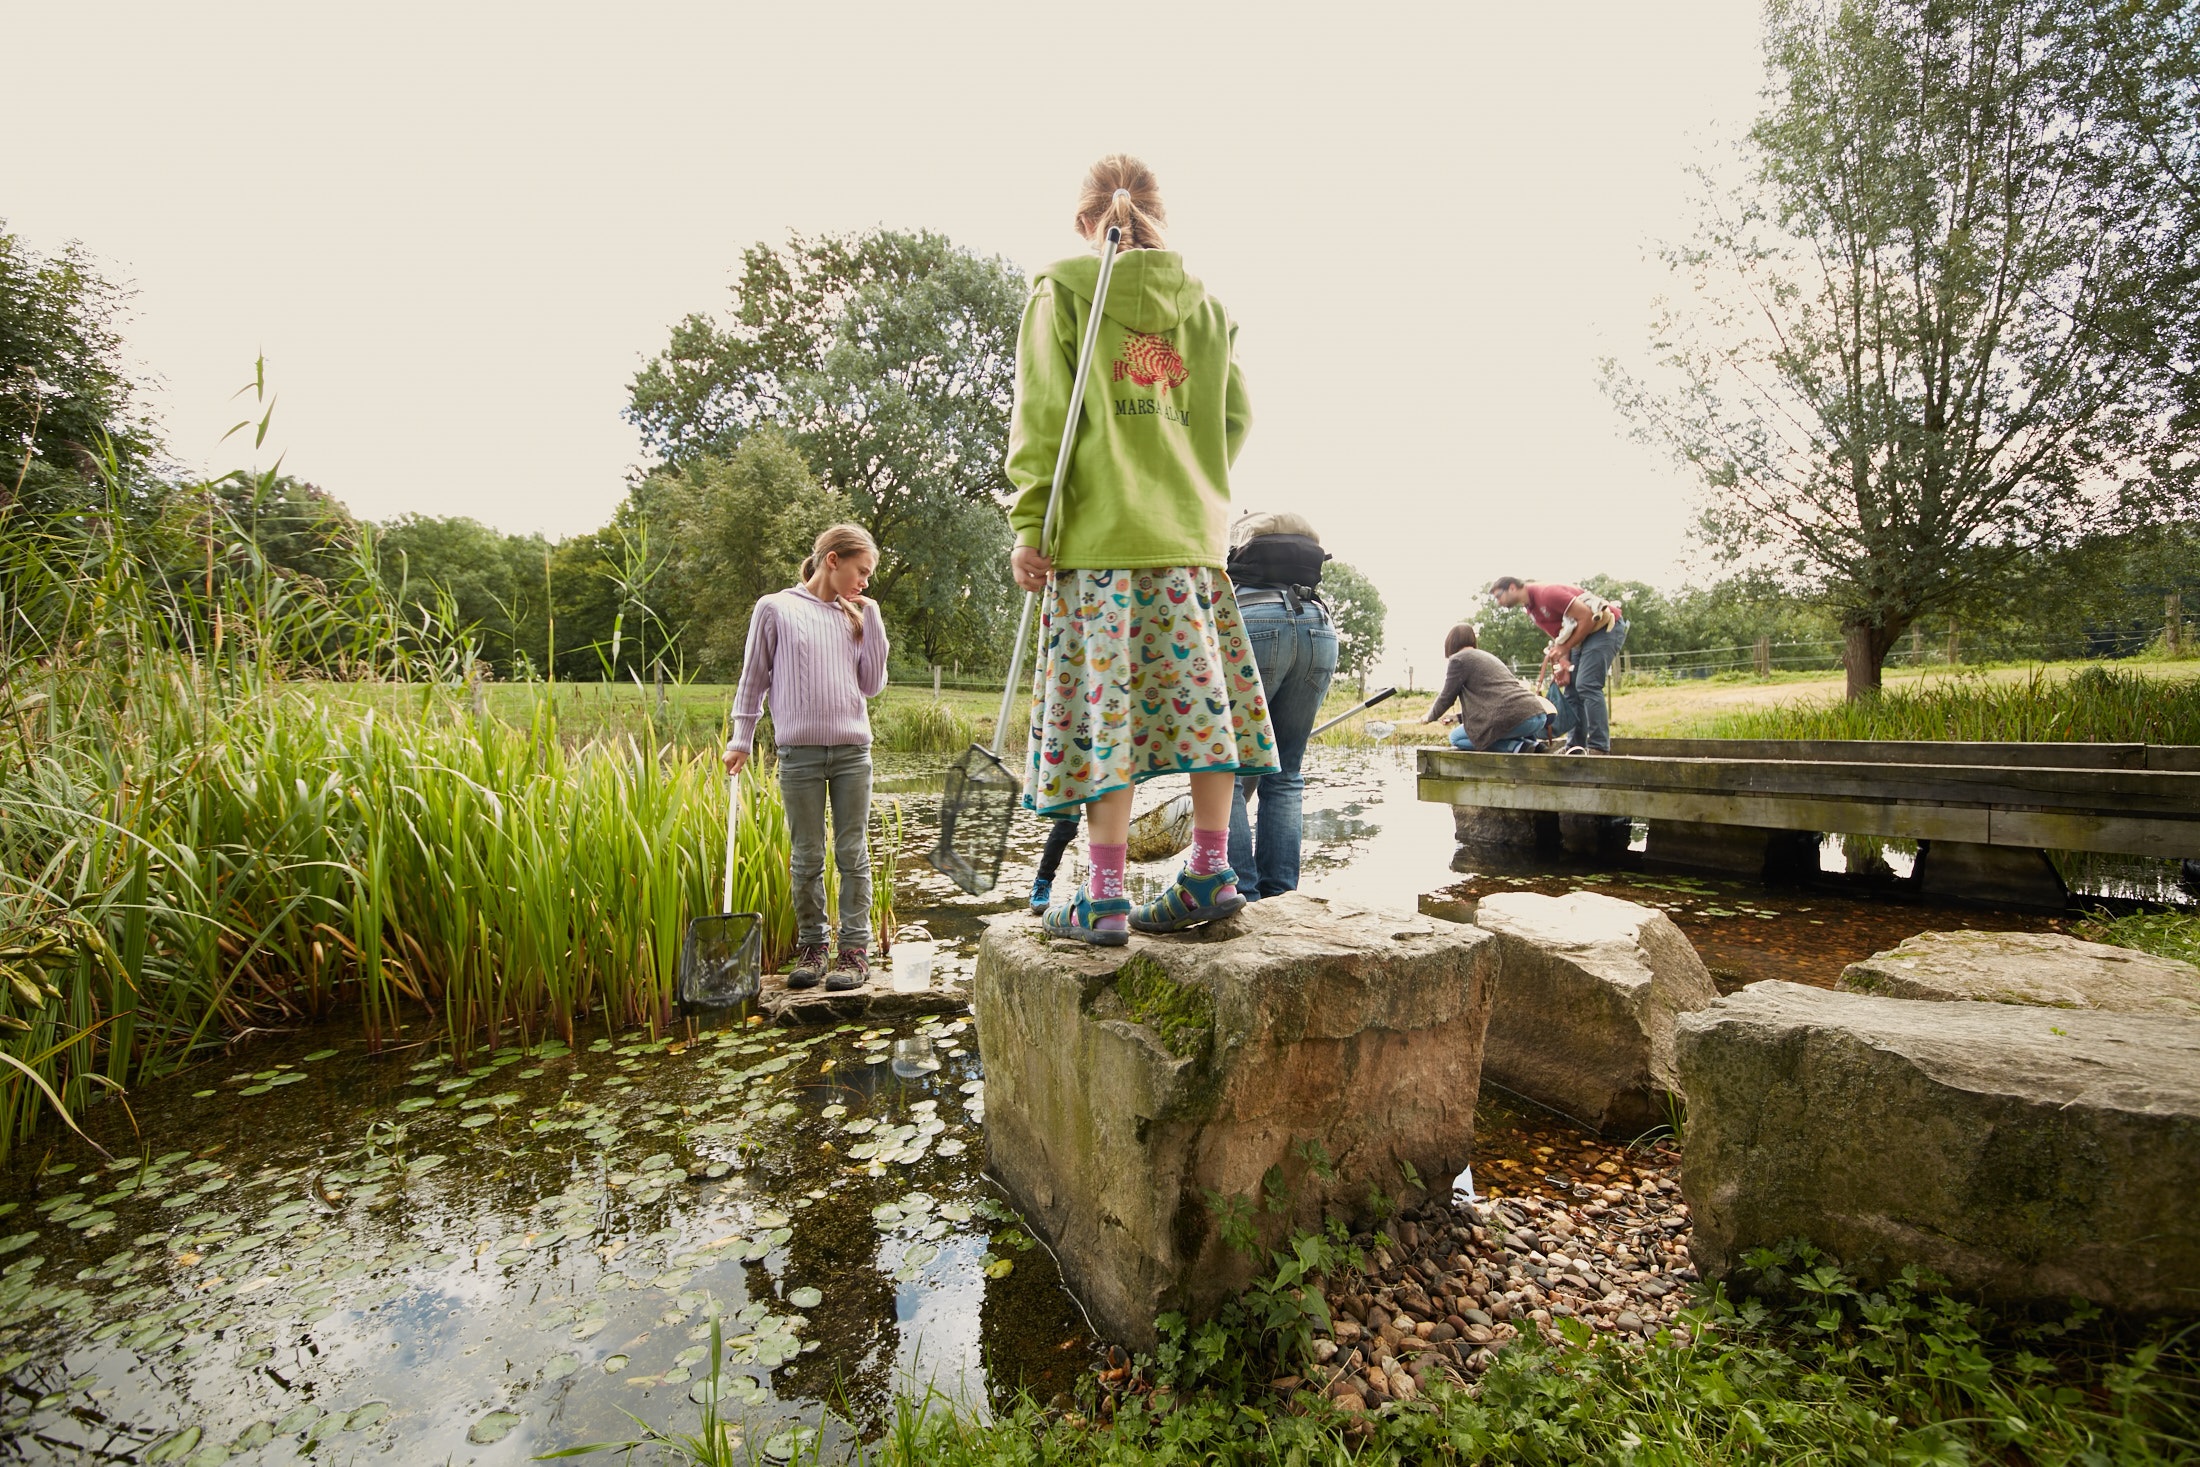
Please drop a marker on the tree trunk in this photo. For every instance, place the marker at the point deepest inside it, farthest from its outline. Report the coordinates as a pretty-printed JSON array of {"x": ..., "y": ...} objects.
[{"x": 1864, "y": 652}]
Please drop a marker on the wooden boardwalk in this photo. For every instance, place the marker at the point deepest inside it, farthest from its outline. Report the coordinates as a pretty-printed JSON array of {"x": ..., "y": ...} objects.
[{"x": 1720, "y": 799}]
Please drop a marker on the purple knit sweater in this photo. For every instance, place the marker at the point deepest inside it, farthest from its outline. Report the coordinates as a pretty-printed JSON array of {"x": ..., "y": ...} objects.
[{"x": 801, "y": 655}]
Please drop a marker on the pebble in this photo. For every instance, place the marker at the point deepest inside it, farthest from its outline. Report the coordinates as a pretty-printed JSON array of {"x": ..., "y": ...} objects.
[{"x": 1460, "y": 1280}]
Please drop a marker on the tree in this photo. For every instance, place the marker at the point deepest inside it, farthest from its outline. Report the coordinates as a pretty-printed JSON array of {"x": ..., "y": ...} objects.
[
  {"x": 1937, "y": 337},
  {"x": 1356, "y": 609},
  {"x": 887, "y": 359},
  {"x": 740, "y": 527},
  {"x": 65, "y": 400}
]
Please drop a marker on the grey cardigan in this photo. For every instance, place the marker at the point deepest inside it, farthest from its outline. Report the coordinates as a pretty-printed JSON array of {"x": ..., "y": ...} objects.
[{"x": 1491, "y": 700}]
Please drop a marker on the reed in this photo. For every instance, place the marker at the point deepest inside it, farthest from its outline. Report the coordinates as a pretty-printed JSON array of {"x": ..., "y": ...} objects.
[
  {"x": 2096, "y": 705},
  {"x": 195, "y": 841}
]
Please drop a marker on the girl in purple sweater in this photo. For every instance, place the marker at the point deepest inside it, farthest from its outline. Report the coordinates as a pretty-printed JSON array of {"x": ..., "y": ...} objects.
[{"x": 816, "y": 651}]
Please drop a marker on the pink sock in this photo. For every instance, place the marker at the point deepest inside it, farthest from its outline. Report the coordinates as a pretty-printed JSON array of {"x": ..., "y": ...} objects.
[
  {"x": 1107, "y": 878},
  {"x": 1210, "y": 851}
]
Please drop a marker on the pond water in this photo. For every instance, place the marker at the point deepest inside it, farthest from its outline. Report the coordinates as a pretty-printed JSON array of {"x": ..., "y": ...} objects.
[{"x": 305, "y": 1247}]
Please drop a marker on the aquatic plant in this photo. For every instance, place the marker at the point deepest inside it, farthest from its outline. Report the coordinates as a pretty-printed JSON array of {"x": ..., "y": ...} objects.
[
  {"x": 926, "y": 726},
  {"x": 2096, "y": 705},
  {"x": 194, "y": 842}
]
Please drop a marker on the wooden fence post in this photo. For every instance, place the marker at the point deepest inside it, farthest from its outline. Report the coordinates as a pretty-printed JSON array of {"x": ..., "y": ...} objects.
[
  {"x": 1763, "y": 651},
  {"x": 1955, "y": 645}
]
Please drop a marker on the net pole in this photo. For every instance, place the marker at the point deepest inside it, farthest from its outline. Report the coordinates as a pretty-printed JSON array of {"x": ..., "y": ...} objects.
[{"x": 1062, "y": 456}]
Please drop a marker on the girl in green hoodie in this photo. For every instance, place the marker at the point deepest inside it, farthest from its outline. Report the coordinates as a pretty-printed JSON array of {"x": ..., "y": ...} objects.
[{"x": 1147, "y": 668}]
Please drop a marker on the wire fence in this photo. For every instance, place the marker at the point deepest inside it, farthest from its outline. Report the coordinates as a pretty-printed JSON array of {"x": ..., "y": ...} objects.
[{"x": 1766, "y": 657}]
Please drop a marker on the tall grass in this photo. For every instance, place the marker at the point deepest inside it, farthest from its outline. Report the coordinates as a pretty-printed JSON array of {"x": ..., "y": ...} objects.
[
  {"x": 2098, "y": 705},
  {"x": 193, "y": 844}
]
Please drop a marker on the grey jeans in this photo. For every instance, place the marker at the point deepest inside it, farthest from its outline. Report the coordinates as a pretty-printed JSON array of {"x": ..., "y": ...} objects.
[{"x": 810, "y": 777}]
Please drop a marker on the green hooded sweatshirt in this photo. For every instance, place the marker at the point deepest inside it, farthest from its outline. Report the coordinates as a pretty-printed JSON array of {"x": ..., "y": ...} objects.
[{"x": 1164, "y": 416}]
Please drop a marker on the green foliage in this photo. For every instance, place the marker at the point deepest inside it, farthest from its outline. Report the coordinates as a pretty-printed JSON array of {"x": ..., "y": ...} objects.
[
  {"x": 1946, "y": 313},
  {"x": 888, "y": 361},
  {"x": 66, "y": 404},
  {"x": 192, "y": 844},
  {"x": 1356, "y": 607},
  {"x": 493, "y": 581},
  {"x": 1182, "y": 1015},
  {"x": 923, "y": 727},
  {"x": 736, "y": 528},
  {"x": 2097, "y": 705},
  {"x": 2165, "y": 934}
]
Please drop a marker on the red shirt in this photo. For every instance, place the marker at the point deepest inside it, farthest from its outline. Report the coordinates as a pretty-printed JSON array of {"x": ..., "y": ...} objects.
[{"x": 1547, "y": 603}]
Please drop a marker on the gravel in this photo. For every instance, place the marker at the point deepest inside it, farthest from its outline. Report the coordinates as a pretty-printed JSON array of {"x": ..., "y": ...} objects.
[{"x": 1458, "y": 1281}]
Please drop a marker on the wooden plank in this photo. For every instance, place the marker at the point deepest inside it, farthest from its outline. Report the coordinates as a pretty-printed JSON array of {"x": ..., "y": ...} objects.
[
  {"x": 1774, "y": 812},
  {"x": 2164, "y": 836},
  {"x": 2174, "y": 758},
  {"x": 2127, "y": 835},
  {"x": 1869, "y": 751},
  {"x": 2094, "y": 790}
]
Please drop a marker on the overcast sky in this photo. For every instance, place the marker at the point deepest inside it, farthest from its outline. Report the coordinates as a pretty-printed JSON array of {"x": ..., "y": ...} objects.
[{"x": 456, "y": 230}]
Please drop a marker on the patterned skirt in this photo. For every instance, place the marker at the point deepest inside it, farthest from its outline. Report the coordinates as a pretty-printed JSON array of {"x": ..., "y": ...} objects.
[{"x": 1147, "y": 672}]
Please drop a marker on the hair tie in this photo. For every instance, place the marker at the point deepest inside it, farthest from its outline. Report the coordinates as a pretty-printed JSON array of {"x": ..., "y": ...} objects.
[{"x": 1122, "y": 193}]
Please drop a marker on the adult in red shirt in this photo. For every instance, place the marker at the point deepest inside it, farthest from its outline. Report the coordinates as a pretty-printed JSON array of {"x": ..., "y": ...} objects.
[{"x": 1586, "y": 633}]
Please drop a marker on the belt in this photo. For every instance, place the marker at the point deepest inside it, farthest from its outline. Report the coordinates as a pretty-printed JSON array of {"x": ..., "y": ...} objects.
[{"x": 1298, "y": 598}]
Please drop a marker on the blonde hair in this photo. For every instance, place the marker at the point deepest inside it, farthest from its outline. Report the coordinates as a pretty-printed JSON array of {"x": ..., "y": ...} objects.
[
  {"x": 842, "y": 540},
  {"x": 1122, "y": 191}
]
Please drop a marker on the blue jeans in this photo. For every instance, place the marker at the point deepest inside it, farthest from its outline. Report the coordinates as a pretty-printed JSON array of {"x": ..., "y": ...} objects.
[
  {"x": 1585, "y": 689},
  {"x": 1512, "y": 740},
  {"x": 811, "y": 776},
  {"x": 1297, "y": 657}
]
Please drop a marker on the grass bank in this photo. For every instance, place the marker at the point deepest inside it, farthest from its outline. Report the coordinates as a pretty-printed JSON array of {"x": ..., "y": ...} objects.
[
  {"x": 1815, "y": 1369},
  {"x": 2095, "y": 704}
]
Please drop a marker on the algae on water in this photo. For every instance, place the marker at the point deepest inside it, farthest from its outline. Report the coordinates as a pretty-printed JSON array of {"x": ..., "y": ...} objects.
[{"x": 1181, "y": 1015}]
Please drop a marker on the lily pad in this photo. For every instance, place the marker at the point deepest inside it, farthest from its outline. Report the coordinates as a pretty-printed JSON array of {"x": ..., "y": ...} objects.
[
  {"x": 805, "y": 1298},
  {"x": 319, "y": 1054},
  {"x": 561, "y": 1366},
  {"x": 614, "y": 1365},
  {"x": 368, "y": 1415},
  {"x": 494, "y": 1427},
  {"x": 1000, "y": 1268}
]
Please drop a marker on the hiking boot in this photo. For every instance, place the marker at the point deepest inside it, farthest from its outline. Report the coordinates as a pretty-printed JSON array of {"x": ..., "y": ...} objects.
[
  {"x": 1080, "y": 920},
  {"x": 852, "y": 969},
  {"x": 809, "y": 965},
  {"x": 1042, "y": 896},
  {"x": 1191, "y": 901}
]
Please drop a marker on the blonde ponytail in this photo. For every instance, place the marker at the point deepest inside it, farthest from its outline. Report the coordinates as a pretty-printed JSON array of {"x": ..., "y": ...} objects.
[
  {"x": 1122, "y": 192},
  {"x": 842, "y": 540}
]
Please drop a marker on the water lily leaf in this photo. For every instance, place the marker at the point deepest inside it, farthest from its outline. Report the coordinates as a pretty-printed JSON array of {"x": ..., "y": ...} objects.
[
  {"x": 249, "y": 1090},
  {"x": 919, "y": 1255},
  {"x": 678, "y": 1375},
  {"x": 174, "y": 1448},
  {"x": 319, "y": 1054},
  {"x": 475, "y": 1122},
  {"x": 999, "y": 1268},
  {"x": 368, "y": 1415},
  {"x": 614, "y": 1365},
  {"x": 561, "y": 1366},
  {"x": 493, "y": 1427},
  {"x": 952, "y": 1146},
  {"x": 805, "y": 1298},
  {"x": 415, "y": 1102}
]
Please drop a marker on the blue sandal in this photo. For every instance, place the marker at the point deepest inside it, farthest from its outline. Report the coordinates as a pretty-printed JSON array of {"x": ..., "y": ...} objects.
[
  {"x": 1078, "y": 920},
  {"x": 1190, "y": 902}
]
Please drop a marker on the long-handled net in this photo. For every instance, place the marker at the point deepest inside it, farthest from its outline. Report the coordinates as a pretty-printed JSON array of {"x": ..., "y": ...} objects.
[
  {"x": 979, "y": 805},
  {"x": 722, "y": 961}
]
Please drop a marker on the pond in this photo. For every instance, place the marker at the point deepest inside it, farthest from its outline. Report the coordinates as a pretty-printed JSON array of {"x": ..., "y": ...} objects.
[{"x": 304, "y": 1246}]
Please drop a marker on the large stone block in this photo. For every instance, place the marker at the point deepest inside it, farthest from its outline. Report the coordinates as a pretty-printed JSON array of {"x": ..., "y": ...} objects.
[
  {"x": 1588, "y": 988},
  {"x": 1125, "y": 1085},
  {"x": 2027, "y": 1154},
  {"x": 2045, "y": 968}
]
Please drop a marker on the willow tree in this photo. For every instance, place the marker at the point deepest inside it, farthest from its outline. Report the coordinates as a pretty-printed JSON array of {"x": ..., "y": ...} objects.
[{"x": 1938, "y": 329}]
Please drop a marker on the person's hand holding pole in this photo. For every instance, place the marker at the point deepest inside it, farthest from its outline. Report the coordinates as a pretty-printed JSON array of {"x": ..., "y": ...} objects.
[
  {"x": 736, "y": 760},
  {"x": 1030, "y": 568}
]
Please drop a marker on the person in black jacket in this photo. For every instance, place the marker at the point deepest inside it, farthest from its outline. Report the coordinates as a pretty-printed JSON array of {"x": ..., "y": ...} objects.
[{"x": 1276, "y": 565}]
